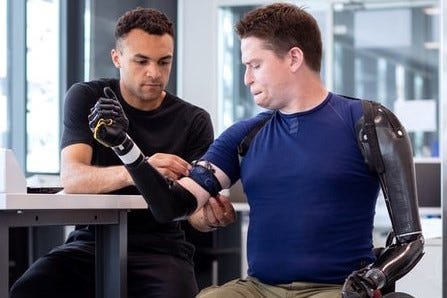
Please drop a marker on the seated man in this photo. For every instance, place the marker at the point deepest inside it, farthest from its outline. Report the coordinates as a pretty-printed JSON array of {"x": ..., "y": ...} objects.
[{"x": 311, "y": 174}]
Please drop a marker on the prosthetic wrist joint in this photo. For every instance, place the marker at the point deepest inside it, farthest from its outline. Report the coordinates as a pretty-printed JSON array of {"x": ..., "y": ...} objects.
[
  {"x": 377, "y": 277},
  {"x": 128, "y": 152}
]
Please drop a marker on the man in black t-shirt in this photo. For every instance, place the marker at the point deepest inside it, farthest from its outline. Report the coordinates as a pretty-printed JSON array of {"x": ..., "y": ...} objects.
[{"x": 170, "y": 131}]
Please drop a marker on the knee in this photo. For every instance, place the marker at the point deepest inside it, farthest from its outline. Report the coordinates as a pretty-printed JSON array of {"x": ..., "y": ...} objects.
[
  {"x": 231, "y": 289},
  {"x": 212, "y": 292}
]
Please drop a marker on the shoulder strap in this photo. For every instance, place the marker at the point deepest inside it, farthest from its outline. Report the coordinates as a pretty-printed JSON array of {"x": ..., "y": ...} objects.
[
  {"x": 243, "y": 146},
  {"x": 369, "y": 108}
]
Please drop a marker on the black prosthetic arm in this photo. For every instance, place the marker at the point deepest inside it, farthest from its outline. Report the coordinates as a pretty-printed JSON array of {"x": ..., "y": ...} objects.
[
  {"x": 386, "y": 148},
  {"x": 167, "y": 199}
]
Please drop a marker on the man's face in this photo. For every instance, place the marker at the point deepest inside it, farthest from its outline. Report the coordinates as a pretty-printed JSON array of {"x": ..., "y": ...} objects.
[
  {"x": 265, "y": 73},
  {"x": 145, "y": 63}
]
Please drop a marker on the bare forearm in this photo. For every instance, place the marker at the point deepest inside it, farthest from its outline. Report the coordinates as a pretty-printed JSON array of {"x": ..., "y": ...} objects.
[
  {"x": 217, "y": 212},
  {"x": 199, "y": 222},
  {"x": 92, "y": 179}
]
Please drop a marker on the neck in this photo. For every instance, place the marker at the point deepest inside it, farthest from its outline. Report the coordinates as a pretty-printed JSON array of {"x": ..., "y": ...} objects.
[{"x": 306, "y": 95}]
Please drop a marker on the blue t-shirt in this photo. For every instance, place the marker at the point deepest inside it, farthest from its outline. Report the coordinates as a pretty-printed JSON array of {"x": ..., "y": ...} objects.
[{"x": 311, "y": 195}]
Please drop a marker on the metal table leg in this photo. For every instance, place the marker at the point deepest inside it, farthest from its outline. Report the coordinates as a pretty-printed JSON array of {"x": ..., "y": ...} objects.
[{"x": 111, "y": 259}]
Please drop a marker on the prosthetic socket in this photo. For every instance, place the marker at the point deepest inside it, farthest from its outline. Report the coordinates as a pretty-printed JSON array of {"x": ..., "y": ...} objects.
[{"x": 386, "y": 148}]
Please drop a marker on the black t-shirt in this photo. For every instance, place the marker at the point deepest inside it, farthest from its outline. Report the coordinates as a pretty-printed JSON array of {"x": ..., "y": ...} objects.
[{"x": 176, "y": 127}]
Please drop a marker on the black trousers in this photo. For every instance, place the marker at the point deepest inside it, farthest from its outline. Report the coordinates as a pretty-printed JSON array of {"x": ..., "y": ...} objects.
[{"x": 69, "y": 271}]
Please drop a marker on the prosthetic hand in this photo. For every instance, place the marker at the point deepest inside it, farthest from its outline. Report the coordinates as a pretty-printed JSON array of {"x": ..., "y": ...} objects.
[
  {"x": 358, "y": 285},
  {"x": 107, "y": 120},
  {"x": 386, "y": 147},
  {"x": 394, "y": 262}
]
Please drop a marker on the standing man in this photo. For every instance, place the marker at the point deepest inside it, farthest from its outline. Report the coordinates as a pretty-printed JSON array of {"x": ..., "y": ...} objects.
[
  {"x": 311, "y": 173},
  {"x": 170, "y": 131}
]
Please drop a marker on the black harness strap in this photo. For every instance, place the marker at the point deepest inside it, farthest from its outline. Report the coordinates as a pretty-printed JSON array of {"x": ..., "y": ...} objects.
[
  {"x": 243, "y": 146},
  {"x": 370, "y": 135}
]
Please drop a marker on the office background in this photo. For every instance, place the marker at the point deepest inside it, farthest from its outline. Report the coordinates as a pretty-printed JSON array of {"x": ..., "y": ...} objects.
[{"x": 391, "y": 51}]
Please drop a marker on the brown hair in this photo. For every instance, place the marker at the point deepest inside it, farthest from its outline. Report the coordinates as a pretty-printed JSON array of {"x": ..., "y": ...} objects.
[
  {"x": 284, "y": 26},
  {"x": 149, "y": 20}
]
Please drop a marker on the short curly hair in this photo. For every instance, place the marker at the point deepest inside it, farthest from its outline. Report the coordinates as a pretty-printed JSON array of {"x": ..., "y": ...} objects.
[
  {"x": 149, "y": 20},
  {"x": 283, "y": 26}
]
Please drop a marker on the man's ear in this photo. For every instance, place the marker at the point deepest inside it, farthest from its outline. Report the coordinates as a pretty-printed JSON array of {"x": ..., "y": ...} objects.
[
  {"x": 114, "y": 53},
  {"x": 296, "y": 58}
]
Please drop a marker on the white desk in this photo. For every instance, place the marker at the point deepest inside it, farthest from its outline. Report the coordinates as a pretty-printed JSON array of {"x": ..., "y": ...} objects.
[{"x": 108, "y": 212}]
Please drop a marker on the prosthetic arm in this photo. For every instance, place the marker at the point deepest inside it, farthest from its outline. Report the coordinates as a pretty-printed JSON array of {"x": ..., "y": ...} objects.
[
  {"x": 167, "y": 199},
  {"x": 386, "y": 148}
]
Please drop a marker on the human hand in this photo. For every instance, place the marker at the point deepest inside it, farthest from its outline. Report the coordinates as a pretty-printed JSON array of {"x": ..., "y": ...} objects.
[
  {"x": 107, "y": 120},
  {"x": 219, "y": 212},
  {"x": 170, "y": 165}
]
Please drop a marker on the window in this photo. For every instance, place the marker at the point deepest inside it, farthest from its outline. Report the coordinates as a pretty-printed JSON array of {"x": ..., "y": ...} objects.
[
  {"x": 42, "y": 75},
  {"x": 396, "y": 63},
  {"x": 3, "y": 75},
  {"x": 234, "y": 97}
]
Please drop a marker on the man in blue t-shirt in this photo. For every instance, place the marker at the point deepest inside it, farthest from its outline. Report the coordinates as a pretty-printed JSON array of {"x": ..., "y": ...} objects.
[{"x": 311, "y": 174}]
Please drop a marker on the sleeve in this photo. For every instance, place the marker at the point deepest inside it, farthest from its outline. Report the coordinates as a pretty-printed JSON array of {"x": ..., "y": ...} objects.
[
  {"x": 201, "y": 135},
  {"x": 78, "y": 101},
  {"x": 224, "y": 151}
]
